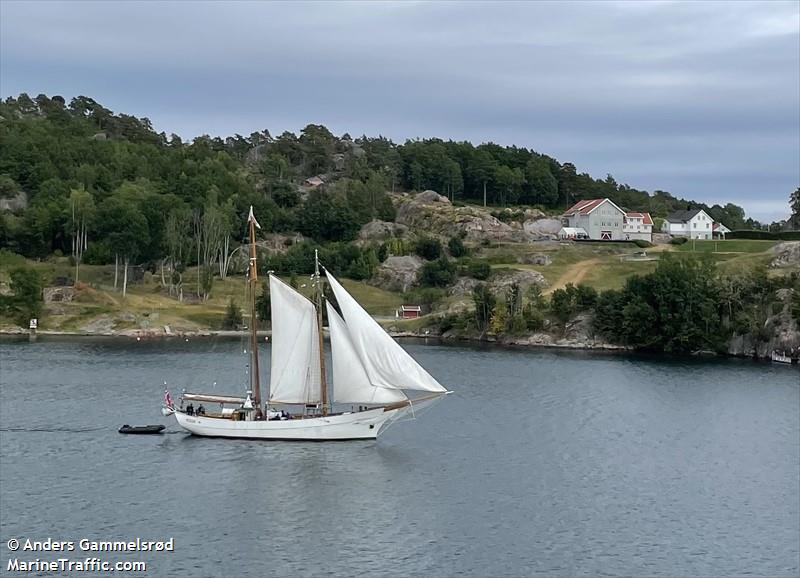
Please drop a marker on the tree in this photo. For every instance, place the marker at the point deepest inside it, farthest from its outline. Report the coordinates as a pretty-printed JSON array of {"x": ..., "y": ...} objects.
[
  {"x": 456, "y": 247},
  {"x": 233, "y": 316},
  {"x": 263, "y": 304},
  {"x": 794, "y": 204},
  {"x": 82, "y": 211},
  {"x": 439, "y": 273},
  {"x": 126, "y": 230},
  {"x": 428, "y": 248},
  {"x": 26, "y": 283},
  {"x": 484, "y": 305},
  {"x": 542, "y": 186}
]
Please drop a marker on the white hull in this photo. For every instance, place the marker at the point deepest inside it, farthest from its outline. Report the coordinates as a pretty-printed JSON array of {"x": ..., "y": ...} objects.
[{"x": 364, "y": 425}]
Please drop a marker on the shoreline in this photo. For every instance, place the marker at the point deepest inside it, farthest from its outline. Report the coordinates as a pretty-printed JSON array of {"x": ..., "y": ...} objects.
[{"x": 534, "y": 341}]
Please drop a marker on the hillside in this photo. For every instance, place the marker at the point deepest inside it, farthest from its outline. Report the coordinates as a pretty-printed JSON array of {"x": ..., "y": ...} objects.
[{"x": 145, "y": 231}]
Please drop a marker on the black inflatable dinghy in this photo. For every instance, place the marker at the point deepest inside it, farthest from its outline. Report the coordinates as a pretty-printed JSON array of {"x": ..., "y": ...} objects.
[{"x": 141, "y": 429}]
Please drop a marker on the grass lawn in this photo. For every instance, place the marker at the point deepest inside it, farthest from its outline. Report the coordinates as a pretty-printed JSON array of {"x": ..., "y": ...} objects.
[{"x": 726, "y": 246}]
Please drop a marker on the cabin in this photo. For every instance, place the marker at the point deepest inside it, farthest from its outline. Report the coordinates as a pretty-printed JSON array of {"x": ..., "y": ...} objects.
[
  {"x": 600, "y": 219},
  {"x": 638, "y": 226},
  {"x": 408, "y": 312},
  {"x": 692, "y": 224}
]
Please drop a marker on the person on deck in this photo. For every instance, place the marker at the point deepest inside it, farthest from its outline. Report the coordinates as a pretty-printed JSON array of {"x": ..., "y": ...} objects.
[
  {"x": 201, "y": 410},
  {"x": 190, "y": 409}
]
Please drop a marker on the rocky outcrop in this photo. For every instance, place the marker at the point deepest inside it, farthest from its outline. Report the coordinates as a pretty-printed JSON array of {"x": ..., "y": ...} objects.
[
  {"x": 787, "y": 254},
  {"x": 535, "y": 259},
  {"x": 433, "y": 214},
  {"x": 500, "y": 282},
  {"x": 398, "y": 273},
  {"x": 379, "y": 231},
  {"x": 463, "y": 287},
  {"x": 780, "y": 332},
  {"x": 14, "y": 204},
  {"x": 542, "y": 228}
]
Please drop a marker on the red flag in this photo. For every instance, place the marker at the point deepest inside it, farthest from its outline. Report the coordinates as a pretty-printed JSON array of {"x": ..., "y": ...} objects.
[{"x": 167, "y": 398}]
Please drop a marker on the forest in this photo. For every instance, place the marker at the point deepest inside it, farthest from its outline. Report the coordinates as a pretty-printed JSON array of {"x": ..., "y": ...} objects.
[{"x": 106, "y": 187}]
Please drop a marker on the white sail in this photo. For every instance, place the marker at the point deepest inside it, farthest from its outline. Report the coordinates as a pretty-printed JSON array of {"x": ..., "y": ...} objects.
[
  {"x": 295, "y": 368},
  {"x": 350, "y": 381},
  {"x": 386, "y": 363}
]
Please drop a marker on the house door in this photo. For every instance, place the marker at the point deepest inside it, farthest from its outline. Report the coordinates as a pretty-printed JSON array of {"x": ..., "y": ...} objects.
[{"x": 605, "y": 235}]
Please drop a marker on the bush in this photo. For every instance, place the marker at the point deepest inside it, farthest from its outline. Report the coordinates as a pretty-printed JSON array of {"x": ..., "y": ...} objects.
[
  {"x": 233, "y": 316},
  {"x": 765, "y": 235},
  {"x": 478, "y": 269},
  {"x": 457, "y": 247},
  {"x": 428, "y": 248},
  {"x": 642, "y": 243},
  {"x": 678, "y": 240},
  {"x": 439, "y": 273}
]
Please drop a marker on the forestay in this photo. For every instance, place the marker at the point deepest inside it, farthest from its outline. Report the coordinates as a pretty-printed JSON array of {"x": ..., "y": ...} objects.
[
  {"x": 350, "y": 381},
  {"x": 295, "y": 367},
  {"x": 386, "y": 364}
]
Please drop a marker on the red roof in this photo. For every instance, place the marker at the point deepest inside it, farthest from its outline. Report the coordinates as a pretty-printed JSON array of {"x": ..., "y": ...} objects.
[
  {"x": 646, "y": 220},
  {"x": 584, "y": 207}
]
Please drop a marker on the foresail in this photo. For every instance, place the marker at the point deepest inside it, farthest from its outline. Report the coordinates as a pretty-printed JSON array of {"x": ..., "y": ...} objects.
[
  {"x": 386, "y": 364},
  {"x": 350, "y": 381},
  {"x": 295, "y": 361}
]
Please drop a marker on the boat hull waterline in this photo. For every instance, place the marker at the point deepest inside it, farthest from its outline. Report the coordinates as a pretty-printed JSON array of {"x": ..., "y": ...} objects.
[{"x": 363, "y": 425}]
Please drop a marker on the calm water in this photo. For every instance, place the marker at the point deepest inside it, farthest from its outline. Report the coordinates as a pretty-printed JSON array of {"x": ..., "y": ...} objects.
[{"x": 542, "y": 463}]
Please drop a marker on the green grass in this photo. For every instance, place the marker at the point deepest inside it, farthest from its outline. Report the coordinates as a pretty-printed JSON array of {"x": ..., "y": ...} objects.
[{"x": 727, "y": 246}]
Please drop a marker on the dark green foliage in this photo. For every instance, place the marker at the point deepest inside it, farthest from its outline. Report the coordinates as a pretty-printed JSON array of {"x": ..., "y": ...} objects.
[
  {"x": 428, "y": 248},
  {"x": 439, "y": 273},
  {"x": 566, "y": 302},
  {"x": 328, "y": 218},
  {"x": 678, "y": 240},
  {"x": 484, "y": 305},
  {"x": 426, "y": 297},
  {"x": 765, "y": 235},
  {"x": 457, "y": 248},
  {"x": 263, "y": 304},
  {"x": 382, "y": 252},
  {"x": 479, "y": 269},
  {"x": 642, "y": 243},
  {"x": 675, "y": 308},
  {"x": 233, "y": 316},
  {"x": 26, "y": 301}
]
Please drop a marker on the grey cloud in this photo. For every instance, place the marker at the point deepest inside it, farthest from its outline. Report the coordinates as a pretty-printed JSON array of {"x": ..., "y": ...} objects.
[{"x": 701, "y": 99}]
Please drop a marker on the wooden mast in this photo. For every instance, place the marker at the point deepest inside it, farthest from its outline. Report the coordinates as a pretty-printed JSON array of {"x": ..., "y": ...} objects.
[
  {"x": 323, "y": 385},
  {"x": 255, "y": 380}
]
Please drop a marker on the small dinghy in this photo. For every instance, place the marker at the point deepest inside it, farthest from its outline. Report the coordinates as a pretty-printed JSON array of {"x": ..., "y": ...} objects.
[{"x": 141, "y": 429}]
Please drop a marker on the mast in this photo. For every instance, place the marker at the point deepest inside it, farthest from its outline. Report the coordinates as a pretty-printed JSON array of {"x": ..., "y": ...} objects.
[
  {"x": 255, "y": 380},
  {"x": 323, "y": 386}
]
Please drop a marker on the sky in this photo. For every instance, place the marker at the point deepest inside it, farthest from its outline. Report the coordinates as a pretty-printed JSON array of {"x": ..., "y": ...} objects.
[{"x": 701, "y": 99}]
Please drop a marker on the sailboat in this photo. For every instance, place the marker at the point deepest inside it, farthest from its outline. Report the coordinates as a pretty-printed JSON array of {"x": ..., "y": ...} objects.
[{"x": 372, "y": 374}]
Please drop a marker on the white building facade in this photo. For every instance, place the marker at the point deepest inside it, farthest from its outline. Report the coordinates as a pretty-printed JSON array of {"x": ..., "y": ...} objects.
[
  {"x": 692, "y": 224},
  {"x": 600, "y": 218},
  {"x": 638, "y": 226}
]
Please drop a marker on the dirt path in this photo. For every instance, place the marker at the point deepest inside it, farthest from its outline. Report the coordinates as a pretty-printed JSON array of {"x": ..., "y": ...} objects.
[{"x": 574, "y": 275}]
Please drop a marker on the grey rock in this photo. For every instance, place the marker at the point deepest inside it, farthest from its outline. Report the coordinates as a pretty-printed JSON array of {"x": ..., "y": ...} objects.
[
  {"x": 787, "y": 254},
  {"x": 398, "y": 273}
]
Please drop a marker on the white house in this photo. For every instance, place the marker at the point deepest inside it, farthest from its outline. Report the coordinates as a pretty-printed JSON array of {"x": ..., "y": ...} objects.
[
  {"x": 720, "y": 230},
  {"x": 600, "y": 218},
  {"x": 693, "y": 224},
  {"x": 638, "y": 226}
]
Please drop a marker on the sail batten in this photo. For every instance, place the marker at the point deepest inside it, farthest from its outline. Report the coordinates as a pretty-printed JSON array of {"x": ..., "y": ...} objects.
[
  {"x": 386, "y": 364},
  {"x": 295, "y": 361},
  {"x": 350, "y": 380}
]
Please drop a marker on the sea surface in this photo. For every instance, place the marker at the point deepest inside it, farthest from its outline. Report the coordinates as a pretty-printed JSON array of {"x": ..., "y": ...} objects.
[{"x": 542, "y": 462}]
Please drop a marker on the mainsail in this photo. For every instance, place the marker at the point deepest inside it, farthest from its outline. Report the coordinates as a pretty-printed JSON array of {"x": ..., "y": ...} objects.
[
  {"x": 350, "y": 380},
  {"x": 295, "y": 367},
  {"x": 386, "y": 364}
]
